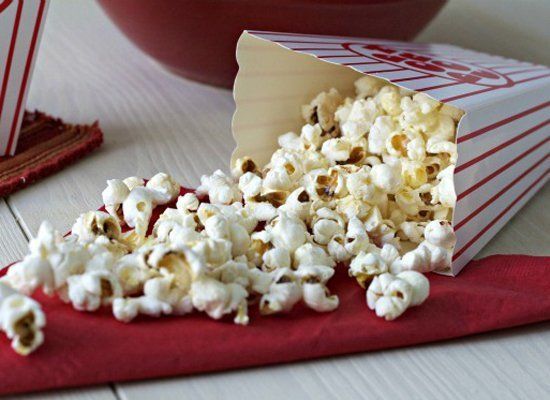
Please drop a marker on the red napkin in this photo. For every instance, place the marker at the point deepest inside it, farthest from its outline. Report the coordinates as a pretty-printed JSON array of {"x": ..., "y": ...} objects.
[{"x": 82, "y": 349}]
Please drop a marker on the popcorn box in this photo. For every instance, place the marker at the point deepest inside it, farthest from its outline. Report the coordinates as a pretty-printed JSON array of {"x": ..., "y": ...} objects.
[
  {"x": 502, "y": 139},
  {"x": 21, "y": 24}
]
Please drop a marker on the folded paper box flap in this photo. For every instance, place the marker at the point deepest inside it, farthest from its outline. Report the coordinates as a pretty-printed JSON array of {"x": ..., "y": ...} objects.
[{"x": 502, "y": 139}]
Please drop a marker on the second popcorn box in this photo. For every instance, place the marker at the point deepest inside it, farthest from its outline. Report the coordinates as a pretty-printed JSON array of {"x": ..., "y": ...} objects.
[
  {"x": 484, "y": 171},
  {"x": 21, "y": 25}
]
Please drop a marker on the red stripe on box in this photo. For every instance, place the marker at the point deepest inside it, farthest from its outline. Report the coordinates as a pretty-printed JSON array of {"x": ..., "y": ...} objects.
[
  {"x": 527, "y": 70},
  {"x": 9, "y": 60},
  {"x": 304, "y": 41},
  {"x": 498, "y": 217},
  {"x": 363, "y": 63},
  {"x": 342, "y": 56},
  {"x": 534, "y": 78},
  {"x": 502, "y": 122},
  {"x": 288, "y": 34},
  {"x": 501, "y": 169},
  {"x": 30, "y": 55},
  {"x": 443, "y": 85},
  {"x": 5, "y": 5},
  {"x": 385, "y": 70},
  {"x": 314, "y": 48},
  {"x": 396, "y": 45},
  {"x": 326, "y": 37},
  {"x": 461, "y": 96},
  {"x": 491, "y": 65},
  {"x": 500, "y": 193},
  {"x": 360, "y": 43},
  {"x": 500, "y": 147},
  {"x": 417, "y": 77}
]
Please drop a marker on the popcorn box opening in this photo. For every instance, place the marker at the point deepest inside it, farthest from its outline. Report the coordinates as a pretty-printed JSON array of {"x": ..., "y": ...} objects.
[
  {"x": 502, "y": 139},
  {"x": 21, "y": 24}
]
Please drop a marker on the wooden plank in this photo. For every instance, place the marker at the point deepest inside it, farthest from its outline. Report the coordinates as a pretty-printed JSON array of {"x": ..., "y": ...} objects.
[
  {"x": 152, "y": 121},
  {"x": 509, "y": 364},
  {"x": 98, "y": 393},
  {"x": 13, "y": 243}
]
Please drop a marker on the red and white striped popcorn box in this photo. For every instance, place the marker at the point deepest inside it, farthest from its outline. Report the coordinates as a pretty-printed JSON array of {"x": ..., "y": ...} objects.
[
  {"x": 502, "y": 139},
  {"x": 21, "y": 24}
]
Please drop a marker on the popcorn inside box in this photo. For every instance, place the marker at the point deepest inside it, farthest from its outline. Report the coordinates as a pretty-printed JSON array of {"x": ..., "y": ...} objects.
[
  {"x": 467, "y": 131},
  {"x": 387, "y": 159}
]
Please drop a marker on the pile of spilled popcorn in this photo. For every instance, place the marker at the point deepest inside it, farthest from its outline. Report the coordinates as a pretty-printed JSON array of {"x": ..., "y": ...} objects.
[{"x": 367, "y": 185}]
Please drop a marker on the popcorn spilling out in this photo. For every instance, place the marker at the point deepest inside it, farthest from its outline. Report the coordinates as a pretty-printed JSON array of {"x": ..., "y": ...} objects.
[{"x": 367, "y": 184}]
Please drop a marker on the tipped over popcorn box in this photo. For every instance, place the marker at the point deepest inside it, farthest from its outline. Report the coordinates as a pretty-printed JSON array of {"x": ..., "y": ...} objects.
[
  {"x": 498, "y": 151},
  {"x": 21, "y": 24}
]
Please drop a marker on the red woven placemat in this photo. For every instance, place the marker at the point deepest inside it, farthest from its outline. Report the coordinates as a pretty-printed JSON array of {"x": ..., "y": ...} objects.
[{"x": 46, "y": 145}]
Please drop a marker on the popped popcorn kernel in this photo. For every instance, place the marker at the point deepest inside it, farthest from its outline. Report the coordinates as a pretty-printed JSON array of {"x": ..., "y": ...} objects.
[
  {"x": 89, "y": 291},
  {"x": 188, "y": 203},
  {"x": 321, "y": 111},
  {"x": 336, "y": 150},
  {"x": 137, "y": 209},
  {"x": 220, "y": 188},
  {"x": 366, "y": 185},
  {"x": 389, "y": 296},
  {"x": 368, "y": 86},
  {"x": 126, "y": 309},
  {"x": 283, "y": 294},
  {"x": 114, "y": 195},
  {"x": 165, "y": 188},
  {"x": 21, "y": 319},
  {"x": 242, "y": 166},
  {"x": 317, "y": 297},
  {"x": 92, "y": 224}
]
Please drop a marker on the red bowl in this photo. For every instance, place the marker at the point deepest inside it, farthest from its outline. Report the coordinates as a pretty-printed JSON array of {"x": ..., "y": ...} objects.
[{"x": 196, "y": 38}]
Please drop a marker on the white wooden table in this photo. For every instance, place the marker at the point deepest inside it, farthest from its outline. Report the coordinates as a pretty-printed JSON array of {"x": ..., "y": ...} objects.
[{"x": 156, "y": 122}]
